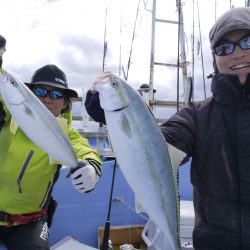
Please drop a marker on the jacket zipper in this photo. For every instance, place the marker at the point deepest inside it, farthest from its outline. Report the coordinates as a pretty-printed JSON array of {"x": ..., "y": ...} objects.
[
  {"x": 45, "y": 195},
  {"x": 25, "y": 165}
]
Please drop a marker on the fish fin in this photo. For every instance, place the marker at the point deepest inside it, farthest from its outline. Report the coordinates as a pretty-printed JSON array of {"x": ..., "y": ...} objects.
[
  {"x": 138, "y": 206},
  {"x": 176, "y": 157},
  {"x": 125, "y": 125},
  {"x": 13, "y": 126}
]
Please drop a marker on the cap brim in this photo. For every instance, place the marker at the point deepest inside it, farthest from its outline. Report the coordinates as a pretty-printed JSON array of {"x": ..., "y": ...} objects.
[
  {"x": 70, "y": 92},
  {"x": 224, "y": 32}
]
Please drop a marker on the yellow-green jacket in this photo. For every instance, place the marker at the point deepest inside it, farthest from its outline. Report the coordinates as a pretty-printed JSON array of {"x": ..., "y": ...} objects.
[{"x": 26, "y": 190}]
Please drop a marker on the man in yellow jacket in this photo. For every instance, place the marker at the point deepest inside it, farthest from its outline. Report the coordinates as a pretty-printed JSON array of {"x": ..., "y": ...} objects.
[{"x": 26, "y": 205}]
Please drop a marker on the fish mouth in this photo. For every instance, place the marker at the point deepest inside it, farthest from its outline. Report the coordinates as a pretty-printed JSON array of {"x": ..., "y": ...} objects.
[
  {"x": 120, "y": 109},
  {"x": 18, "y": 103}
]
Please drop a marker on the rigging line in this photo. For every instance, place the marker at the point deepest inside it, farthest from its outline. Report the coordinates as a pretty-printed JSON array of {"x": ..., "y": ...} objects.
[
  {"x": 145, "y": 8},
  {"x": 135, "y": 34},
  {"x": 133, "y": 37},
  {"x": 121, "y": 200},
  {"x": 178, "y": 5},
  {"x": 120, "y": 49},
  {"x": 202, "y": 61},
  {"x": 105, "y": 45},
  {"x": 215, "y": 10},
  {"x": 192, "y": 94}
]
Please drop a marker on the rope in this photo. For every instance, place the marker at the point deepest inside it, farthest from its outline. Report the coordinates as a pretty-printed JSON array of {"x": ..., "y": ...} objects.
[
  {"x": 133, "y": 37},
  {"x": 203, "y": 75}
]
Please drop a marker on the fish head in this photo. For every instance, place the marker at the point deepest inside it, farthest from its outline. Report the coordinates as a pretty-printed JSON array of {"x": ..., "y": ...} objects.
[
  {"x": 10, "y": 89},
  {"x": 114, "y": 92}
]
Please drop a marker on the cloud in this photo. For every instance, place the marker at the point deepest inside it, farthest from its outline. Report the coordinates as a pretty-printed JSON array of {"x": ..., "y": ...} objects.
[{"x": 71, "y": 35}]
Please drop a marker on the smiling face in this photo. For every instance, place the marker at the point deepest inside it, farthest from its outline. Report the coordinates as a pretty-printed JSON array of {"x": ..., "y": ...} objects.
[{"x": 237, "y": 63}]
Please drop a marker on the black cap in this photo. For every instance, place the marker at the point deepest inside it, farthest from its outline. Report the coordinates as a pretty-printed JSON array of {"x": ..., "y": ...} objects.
[
  {"x": 232, "y": 20},
  {"x": 145, "y": 88},
  {"x": 51, "y": 75}
]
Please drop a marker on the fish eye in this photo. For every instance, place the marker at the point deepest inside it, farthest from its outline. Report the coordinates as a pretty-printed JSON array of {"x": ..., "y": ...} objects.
[
  {"x": 12, "y": 81},
  {"x": 114, "y": 83}
]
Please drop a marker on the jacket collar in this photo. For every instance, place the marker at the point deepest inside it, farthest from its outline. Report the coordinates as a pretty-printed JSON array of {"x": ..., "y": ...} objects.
[{"x": 228, "y": 90}]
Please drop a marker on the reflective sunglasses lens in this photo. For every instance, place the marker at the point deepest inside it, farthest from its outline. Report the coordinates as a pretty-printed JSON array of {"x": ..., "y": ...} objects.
[
  {"x": 245, "y": 43},
  {"x": 56, "y": 94},
  {"x": 224, "y": 49},
  {"x": 40, "y": 92}
]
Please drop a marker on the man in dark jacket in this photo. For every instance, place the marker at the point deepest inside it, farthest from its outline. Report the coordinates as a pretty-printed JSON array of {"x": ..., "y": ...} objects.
[{"x": 216, "y": 134}]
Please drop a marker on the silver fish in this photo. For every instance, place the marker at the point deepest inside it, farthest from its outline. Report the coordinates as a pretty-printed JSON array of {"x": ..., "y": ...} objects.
[
  {"x": 141, "y": 152},
  {"x": 35, "y": 120}
]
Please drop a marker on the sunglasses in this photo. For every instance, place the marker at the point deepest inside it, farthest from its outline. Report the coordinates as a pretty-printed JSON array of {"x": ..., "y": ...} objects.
[
  {"x": 228, "y": 48},
  {"x": 2, "y": 50},
  {"x": 53, "y": 94}
]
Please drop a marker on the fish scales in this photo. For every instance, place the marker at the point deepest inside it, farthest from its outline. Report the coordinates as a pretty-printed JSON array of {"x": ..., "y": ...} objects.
[
  {"x": 141, "y": 152},
  {"x": 35, "y": 120}
]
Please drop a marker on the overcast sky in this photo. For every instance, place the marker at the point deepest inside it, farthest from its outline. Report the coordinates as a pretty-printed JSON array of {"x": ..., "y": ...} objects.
[{"x": 70, "y": 34}]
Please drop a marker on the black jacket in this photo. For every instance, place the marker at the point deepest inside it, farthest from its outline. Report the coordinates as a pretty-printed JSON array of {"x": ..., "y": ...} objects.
[
  {"x": 92, "y": 105},
  {"x": 216, "y": 134}
]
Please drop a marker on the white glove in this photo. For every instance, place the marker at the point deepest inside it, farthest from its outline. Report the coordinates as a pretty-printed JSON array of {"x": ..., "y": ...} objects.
[{"x": 84, "y": 177}]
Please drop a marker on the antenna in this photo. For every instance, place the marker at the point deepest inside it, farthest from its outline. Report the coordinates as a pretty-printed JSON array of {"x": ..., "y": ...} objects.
[{"x": 105, "y": 44}]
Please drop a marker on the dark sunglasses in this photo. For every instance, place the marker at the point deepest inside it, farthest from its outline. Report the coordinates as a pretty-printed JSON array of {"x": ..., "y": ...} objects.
[
  {"x": 228, "y": 48},
  {"x": 53, "y": 94}
]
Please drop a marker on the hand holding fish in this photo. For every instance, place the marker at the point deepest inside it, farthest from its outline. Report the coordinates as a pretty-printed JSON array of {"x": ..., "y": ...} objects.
[
  {"x": 84, "y": 176},
  {"x": 101, "y": 79}
]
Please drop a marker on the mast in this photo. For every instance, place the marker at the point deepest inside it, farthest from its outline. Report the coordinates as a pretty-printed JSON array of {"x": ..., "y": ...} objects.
[
  {"x": 181, "y": 58},
  {"x": 152, "y": 58},
  {"x": 182, "y": 54}
]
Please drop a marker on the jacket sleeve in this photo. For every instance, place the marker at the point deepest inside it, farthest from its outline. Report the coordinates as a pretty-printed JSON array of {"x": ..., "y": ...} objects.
[
  {"x": 83, "y": 150},
  {"x": 180, "y": 129},
  {"x": 92, "y": 105}
]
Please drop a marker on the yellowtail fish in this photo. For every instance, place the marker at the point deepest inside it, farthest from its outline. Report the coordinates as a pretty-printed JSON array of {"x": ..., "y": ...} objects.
[
  {"x": 142, "y": 153},
  {"x": 35, "y": 120}
]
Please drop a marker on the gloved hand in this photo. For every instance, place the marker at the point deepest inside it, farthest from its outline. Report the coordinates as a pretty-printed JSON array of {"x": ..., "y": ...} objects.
[{"x": 84, "y": 177}]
